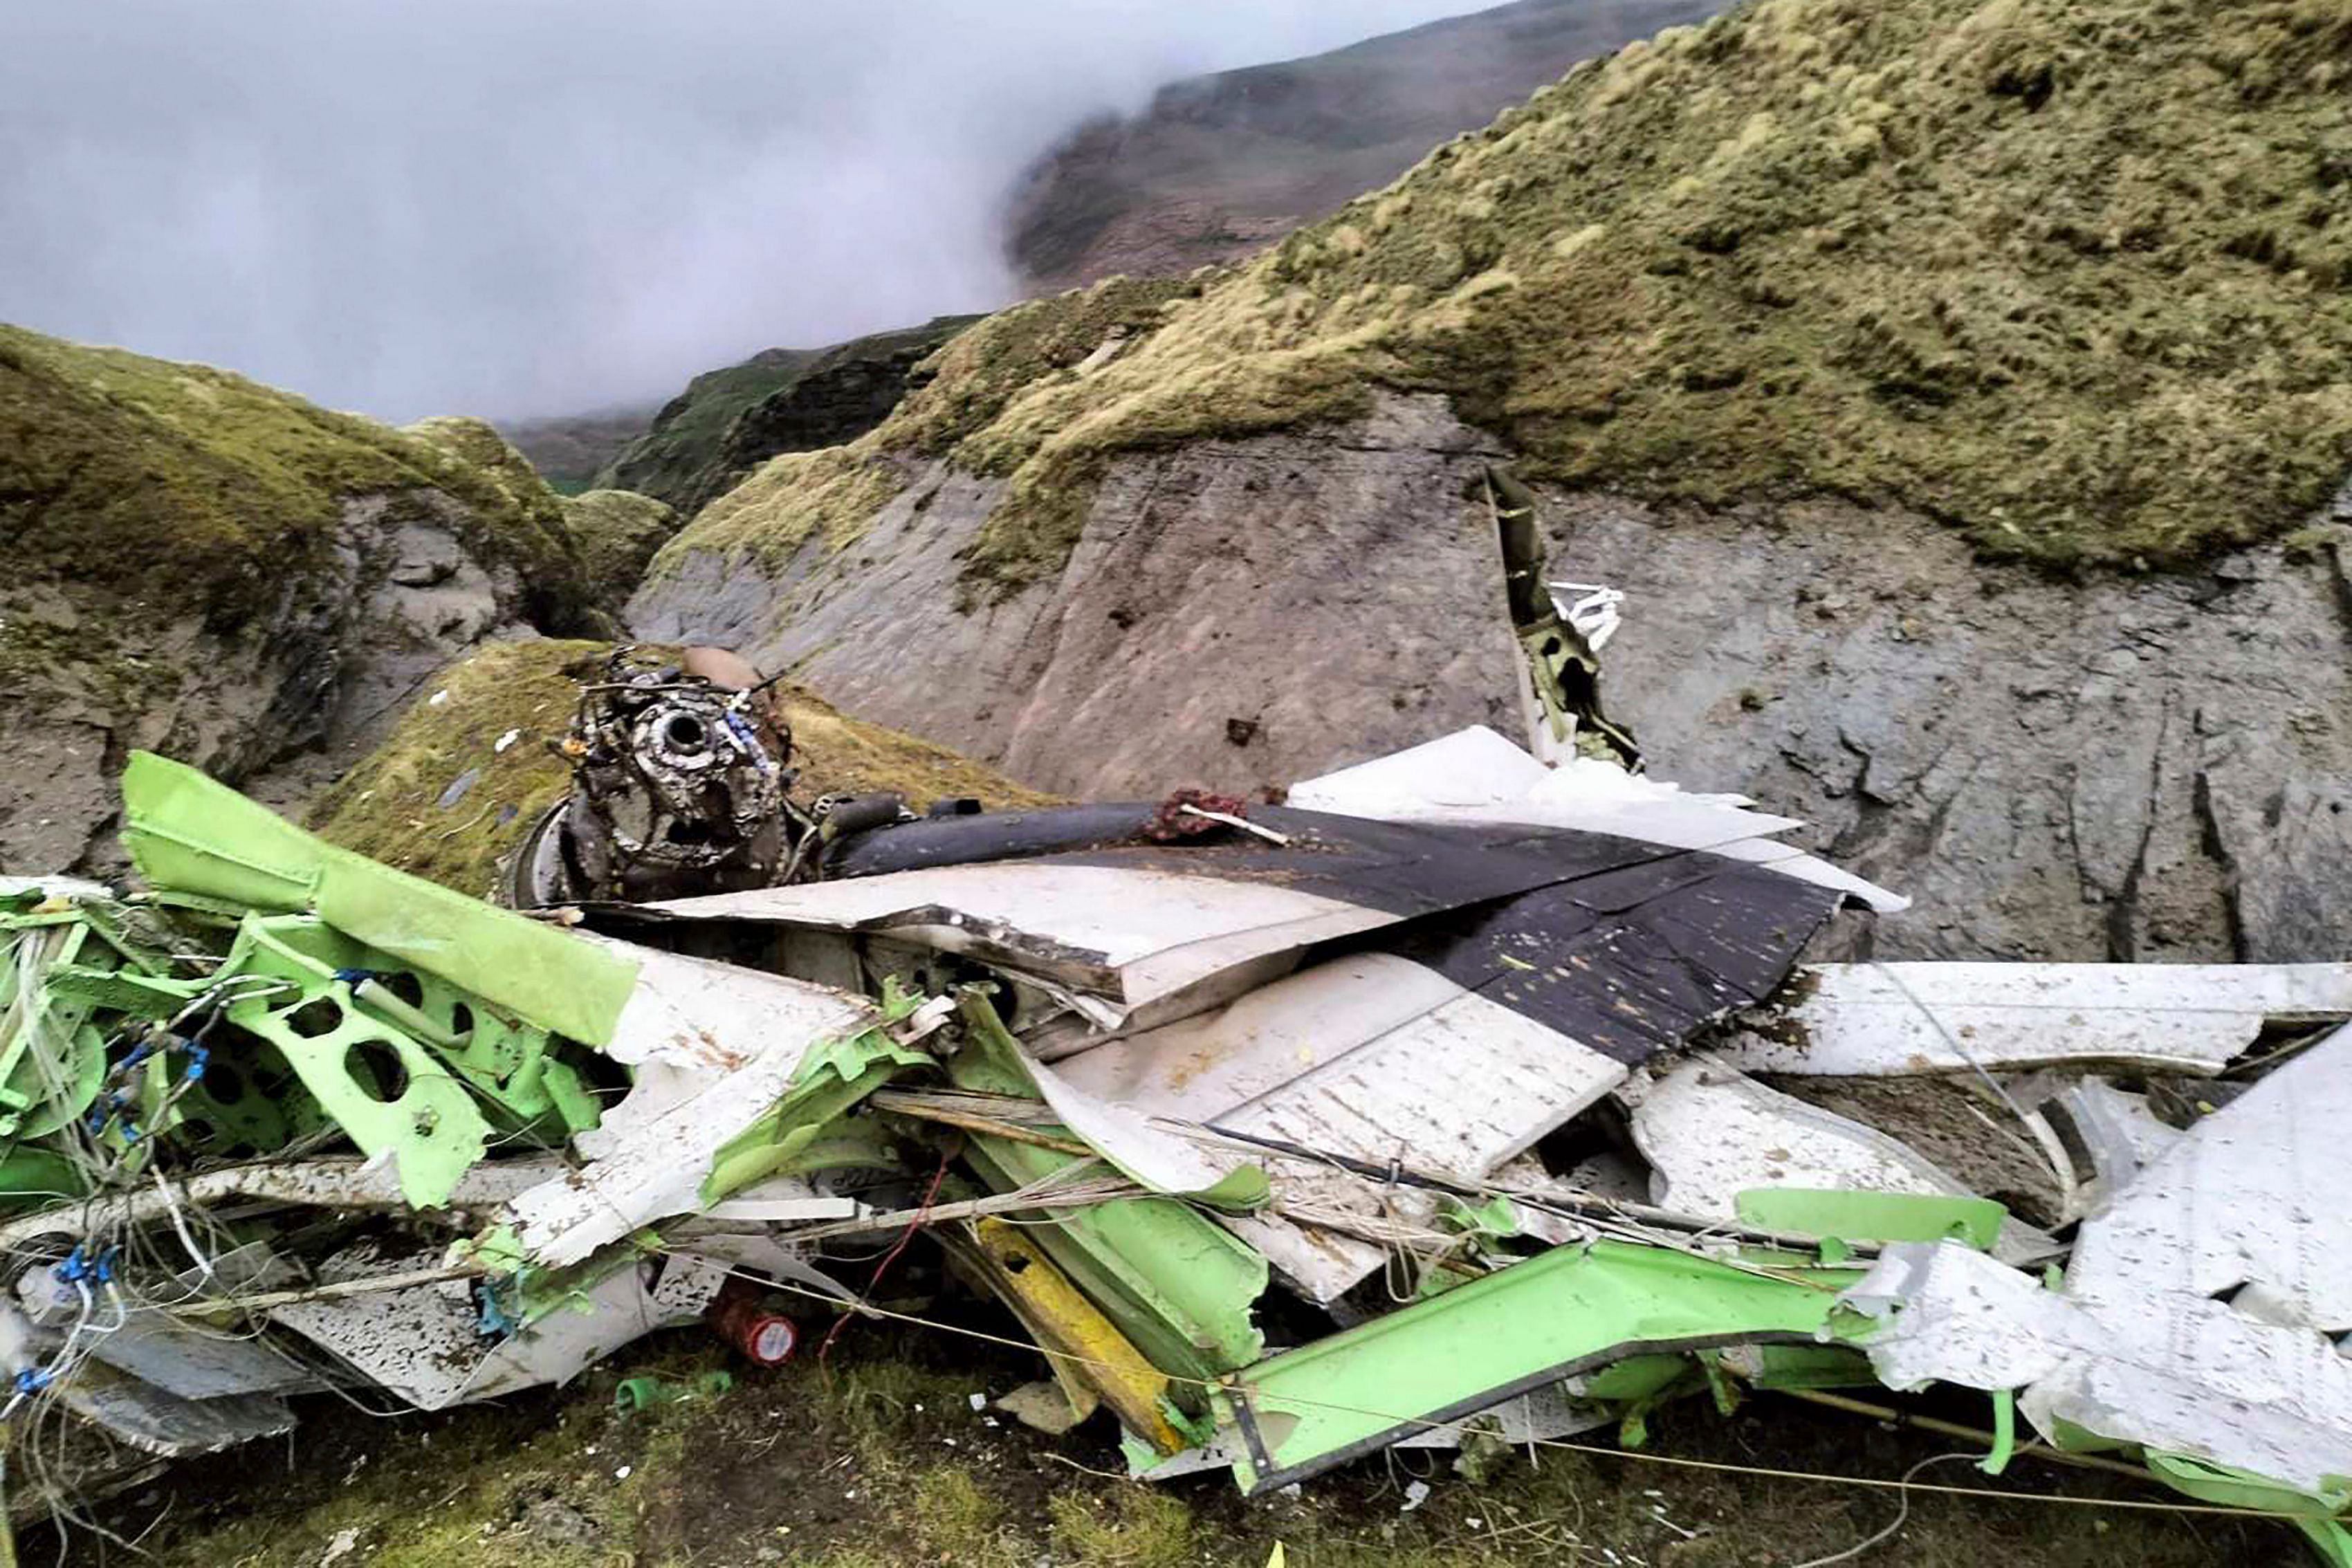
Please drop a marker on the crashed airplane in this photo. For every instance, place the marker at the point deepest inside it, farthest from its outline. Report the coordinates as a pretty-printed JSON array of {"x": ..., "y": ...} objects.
[{"x": 1504, "y": 1063}]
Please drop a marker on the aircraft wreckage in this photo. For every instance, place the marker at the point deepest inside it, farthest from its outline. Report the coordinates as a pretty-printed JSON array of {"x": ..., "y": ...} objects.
[{"x": 1501, "y": 1063}]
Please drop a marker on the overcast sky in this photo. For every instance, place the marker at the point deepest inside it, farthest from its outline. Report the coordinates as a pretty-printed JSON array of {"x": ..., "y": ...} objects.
[{"x": 529, "y": 206}]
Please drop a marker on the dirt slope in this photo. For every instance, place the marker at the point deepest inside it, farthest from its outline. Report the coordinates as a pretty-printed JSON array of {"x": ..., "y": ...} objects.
[{"x": 1220, "y": 166}]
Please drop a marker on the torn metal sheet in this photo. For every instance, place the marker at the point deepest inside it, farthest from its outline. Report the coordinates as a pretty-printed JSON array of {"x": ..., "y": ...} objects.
[
  {"x": 2201, "y": 1311},
  {"x": 1139, "y": 924},
  {"x": 1178, "y": 1286},
  {"x": 1538, "y": 1416},
  {"x": 1367, "y": 1056},
  {"x": 1407, "y": 1055},
  {"x": 1711, "y": 1134},
  {"x": 190, "y": 834},
  {"x": 333, "y": 1181},
  {"x": 1083, "y": 1347},
  {"x": 645, "y": 1168},
  {"x": 427, "y": 1343},
  {"x": 390, "y": 1092},
  {"x": 148, "y": 1418},
  {"x": 2167, "y": 1371},
  {"x": 2109, "y": 1135},
  {"x": 1559, "y": 639},
  {"x": 1121, "y": 1132},
  {"x": 185, "y": 1356},
  {"x": 1130, "y": 934},
  {"x": 1477, "y": 776},
  {"x": 690, "y": 1023},
  {"x": 1632, "y": 961},
  {"x": 2240, "y": 1206},
  {"x": 1861, "y": 1019},
  {"x": 164, "y": 1424}
]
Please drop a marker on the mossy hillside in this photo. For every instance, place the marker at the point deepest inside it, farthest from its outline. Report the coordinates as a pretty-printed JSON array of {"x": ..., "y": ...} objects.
[
  {"x": 667, "y": 459},
  {"x": 617, "y": 532},
  {"x": 2070, "y": 274},
  {"x": 389, "y": 806},
  {"x": 181, "y": 489},
  {"x": 974, "y": 378}
]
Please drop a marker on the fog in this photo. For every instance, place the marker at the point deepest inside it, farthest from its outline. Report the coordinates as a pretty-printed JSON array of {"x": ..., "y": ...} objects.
[{"x": 516, "y": 207}]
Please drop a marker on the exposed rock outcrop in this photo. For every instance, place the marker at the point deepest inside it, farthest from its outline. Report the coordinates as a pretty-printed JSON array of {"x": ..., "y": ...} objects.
[
  {"x": 2134, "y": 767},
  {"x": 2131, "y": 768},
  {"x": 212, "y": 569},
  {"x": 1324, "y": 596},
  {"x": 1220, "y": 166}
]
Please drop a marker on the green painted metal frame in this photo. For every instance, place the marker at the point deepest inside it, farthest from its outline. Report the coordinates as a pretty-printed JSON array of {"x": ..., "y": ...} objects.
[
  {"x": 1569, "y": 1311},
  {"x": 1178, "y": 1284},
  {"x": 189, "y": 835}
]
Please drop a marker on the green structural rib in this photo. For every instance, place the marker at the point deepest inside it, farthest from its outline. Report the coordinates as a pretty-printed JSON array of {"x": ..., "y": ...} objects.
[
  {"x": 191, "y": 835},
  {"x": 1571, "y": 1311}
]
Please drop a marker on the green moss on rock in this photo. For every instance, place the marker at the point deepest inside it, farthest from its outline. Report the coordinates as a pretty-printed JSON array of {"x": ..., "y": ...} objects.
[
  {"x": 2070, "y": 274},
  {"x": 189, "y": 490},
  {"x": 390, "y": 805},
  {"x": 617, "y": 532}
]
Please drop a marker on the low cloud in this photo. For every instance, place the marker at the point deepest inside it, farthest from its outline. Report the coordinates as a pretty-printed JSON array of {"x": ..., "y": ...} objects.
[{"x": 539, "y": 206}]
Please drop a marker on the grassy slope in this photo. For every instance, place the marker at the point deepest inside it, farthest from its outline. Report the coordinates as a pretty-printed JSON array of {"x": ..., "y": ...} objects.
[
  {"x": 197, "y": 491},
  {"x": 569, "y": 452},
  {"x": 2070, "y": 274},
  {"x": 388, "y": 806},
  {"x": 668, "y": 460},
  {"x": 979, "y": 375},
  {"x": 618, "y": 531}
]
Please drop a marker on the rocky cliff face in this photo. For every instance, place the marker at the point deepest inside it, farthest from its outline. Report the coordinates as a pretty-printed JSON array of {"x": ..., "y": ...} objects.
[
  {"x": 2153, "y": 767},
  {"x": 2138, "y": 767},
  {"x": 1220, "y": 166},
  {"x": 1237, "y": 614},
  {"x": 1947, "y": 382},
  {"x": 221, "y": 572}
]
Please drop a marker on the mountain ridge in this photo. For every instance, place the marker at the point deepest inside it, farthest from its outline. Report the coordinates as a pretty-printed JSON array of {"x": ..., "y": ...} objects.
[{"x": 1216, "y": 167}]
